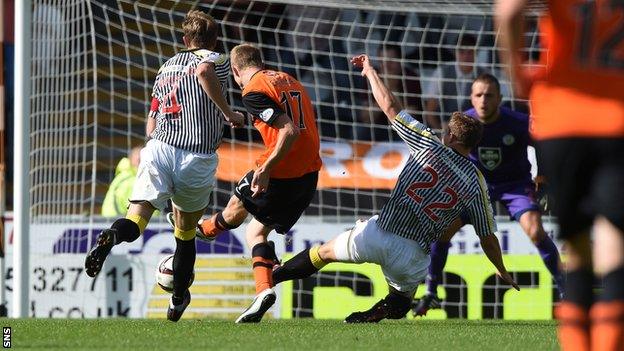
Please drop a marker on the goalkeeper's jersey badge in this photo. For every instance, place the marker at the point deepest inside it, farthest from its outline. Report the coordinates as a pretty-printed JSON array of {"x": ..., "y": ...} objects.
[{"x": 490, "y": 157}]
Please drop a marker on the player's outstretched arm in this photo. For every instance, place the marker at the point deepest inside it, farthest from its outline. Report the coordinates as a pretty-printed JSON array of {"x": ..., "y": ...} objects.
[
  {"x": 384, "y": 97},
  {"x": 492, "y": 250},
  {"x": 210, "y": 84}
]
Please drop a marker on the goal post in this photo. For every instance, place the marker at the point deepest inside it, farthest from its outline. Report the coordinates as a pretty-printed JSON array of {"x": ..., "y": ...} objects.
[
  {"x": 21, "y": 220},
  {"x": 93, "y": 64}
]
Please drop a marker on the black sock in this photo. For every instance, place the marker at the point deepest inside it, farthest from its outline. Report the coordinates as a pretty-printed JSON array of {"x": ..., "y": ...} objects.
[
  {"x": 272, "y": 245},
  {"x": 221, "y": 224},
  {"x": 398, "y": 305},
  {"x": 580, "y": 287},
  {"x": 127, "y": 230},
  {"x": 264, "y": 250},
  {"x": 183, "y": 263},
  {"x": 297, "y": 267},
  {"x": 613, "y": 283}
]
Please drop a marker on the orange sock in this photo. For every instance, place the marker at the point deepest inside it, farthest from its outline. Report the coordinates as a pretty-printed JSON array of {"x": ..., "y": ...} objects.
[
  {"x": 209, "y": 227},
  {"x": 263, "y": 273},
  {"x": 607, "y": 326},
  {"x": 573, "y": 330}
]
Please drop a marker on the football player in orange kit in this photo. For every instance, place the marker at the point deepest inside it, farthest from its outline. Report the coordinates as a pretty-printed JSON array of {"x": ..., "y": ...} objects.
[
  {"x": 284, "y": 181},
  {"x": 577, "y": 111}
]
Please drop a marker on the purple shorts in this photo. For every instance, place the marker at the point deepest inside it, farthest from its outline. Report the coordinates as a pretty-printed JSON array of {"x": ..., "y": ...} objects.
[{"x": 517, "y": 197}]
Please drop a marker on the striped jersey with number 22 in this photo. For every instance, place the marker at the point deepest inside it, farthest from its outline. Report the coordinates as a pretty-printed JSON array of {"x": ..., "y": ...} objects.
[{"x": 434, "y": 188}]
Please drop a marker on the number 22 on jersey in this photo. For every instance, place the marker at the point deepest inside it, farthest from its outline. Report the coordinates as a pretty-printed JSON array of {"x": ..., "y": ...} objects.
[{"x": 415, "y": 188}]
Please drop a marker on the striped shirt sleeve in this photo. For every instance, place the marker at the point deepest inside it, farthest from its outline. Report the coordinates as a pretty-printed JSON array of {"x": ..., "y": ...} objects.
[
  {"x": 154, "y": 107},
  {"x": 480, "y": 210},
  {"x": 415, "y": 134}
]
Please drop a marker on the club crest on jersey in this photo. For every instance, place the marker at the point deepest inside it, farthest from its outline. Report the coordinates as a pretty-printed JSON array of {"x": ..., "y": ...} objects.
[
  {"x": 266, "y": 114},
  {"x": 490, "y": 157},
  {"x": 508, "y": 139}
]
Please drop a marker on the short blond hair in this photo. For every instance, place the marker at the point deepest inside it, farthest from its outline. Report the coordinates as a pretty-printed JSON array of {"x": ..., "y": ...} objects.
[
  {"x": 200, "y": 29},
  {"x": 466, "y": 129},
  {"x": 246, "y": 55}
]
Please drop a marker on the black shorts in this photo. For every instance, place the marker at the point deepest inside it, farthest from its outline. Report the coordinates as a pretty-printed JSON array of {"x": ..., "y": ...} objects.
[
  {"x": 282, "y": 204},
  {"x": 586, "y": 178}
]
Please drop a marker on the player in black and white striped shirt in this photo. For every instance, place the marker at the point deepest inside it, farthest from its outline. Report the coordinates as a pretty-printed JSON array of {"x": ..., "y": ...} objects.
[
  {"x": 182, "y": 114},
  {"x": 436, "y": 185},
  {"x": 179, "y": 162}
]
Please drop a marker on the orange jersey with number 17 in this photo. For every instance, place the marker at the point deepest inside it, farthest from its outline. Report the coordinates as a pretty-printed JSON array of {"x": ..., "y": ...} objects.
[
  {"x": 269, "y": 94},
  {"x": 581, "y": 91}
]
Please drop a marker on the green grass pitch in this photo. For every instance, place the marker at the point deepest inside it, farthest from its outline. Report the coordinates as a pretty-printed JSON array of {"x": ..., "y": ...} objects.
[{"x": 298, "y": 334}]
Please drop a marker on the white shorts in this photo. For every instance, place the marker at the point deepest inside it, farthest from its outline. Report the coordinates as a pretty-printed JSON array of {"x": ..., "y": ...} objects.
[
  {"x": 166, "y": 172},
  {"x": 402, "y": 261}
]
